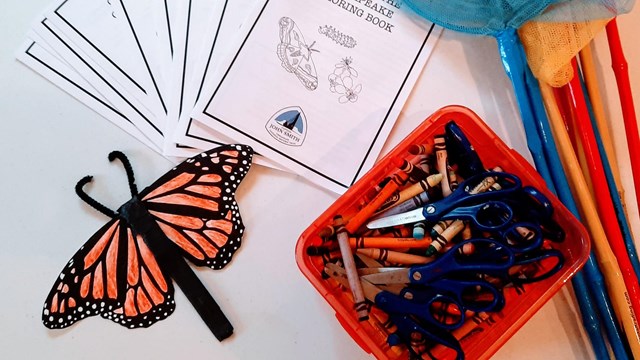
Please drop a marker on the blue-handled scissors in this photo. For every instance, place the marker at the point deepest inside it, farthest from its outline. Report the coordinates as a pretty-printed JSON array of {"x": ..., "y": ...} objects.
[
  {"x": 536, "y": 266},
  {"x": 497, "y": 218},
  {"x": 531, "y": 204},
  {"x": 472, "y": 191},
  {"x": 422, "y": 303},
  {"x": 408, "y": 327},
  {"x": 490, "y": 257}
]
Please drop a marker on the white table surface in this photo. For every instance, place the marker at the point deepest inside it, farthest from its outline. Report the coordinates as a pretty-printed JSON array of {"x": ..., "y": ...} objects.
[{"x": 48, "y": 141}]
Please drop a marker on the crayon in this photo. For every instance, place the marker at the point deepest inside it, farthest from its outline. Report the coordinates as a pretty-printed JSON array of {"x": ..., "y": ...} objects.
[
  {"x": 420, "y": 149},
  {"x": 462, "y": 332},
  {"x": 326, "y": 232},
  {"x": 408, "y": 205},
  {"x": 440, "y": 226},
  {"x": 394, "y": 256},
  {"x": 331, "y": 257},
  {"x": 415, "y": 173},
  {"x": 418, "y": 343},
  {"x": 397, "y": 180},
  {"x": 466, "y": 233},
  {"x": 317, "y": 250},
  {"x": 418, "y": 230},
  {"x": 350, "y": 267},
  {"x": 387, "y": 242},
  {"x": 381, "y": 322},
  {"x": 441, "y": 240},
  {"x": 400, "y": 232},
  {"x": 373, "y": 191},
  {"x": 441, "y": 164},
  {"x": 422, "y": 162},
  {"x": 417, "y": 188},
  {"x": 453, "y": 179}
]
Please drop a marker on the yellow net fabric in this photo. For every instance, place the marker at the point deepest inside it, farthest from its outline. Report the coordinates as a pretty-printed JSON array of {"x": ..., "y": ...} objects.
[{"x": 551, "y": 46}]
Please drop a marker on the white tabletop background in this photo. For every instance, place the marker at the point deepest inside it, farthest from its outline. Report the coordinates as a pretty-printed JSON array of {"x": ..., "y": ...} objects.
[{"x": 48, "y": 141}]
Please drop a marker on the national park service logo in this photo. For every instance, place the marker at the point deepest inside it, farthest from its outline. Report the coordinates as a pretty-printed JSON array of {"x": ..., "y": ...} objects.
[{"x": 288, "y": 126}]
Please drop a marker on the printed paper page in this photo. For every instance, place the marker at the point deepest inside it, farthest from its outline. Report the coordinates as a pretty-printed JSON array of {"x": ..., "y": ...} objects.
[{"x": 317, "y": 85}]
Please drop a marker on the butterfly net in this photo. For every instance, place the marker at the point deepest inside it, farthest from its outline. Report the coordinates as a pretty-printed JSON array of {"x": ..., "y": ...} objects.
[
  {"x": 481, "y": 17},
  {"x": 557, "y": 36},
  {"x": 561, "y": 28}
]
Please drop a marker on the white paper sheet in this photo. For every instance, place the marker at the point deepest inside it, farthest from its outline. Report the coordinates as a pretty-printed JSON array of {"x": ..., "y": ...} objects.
[
  {"x": 89, "y": 70},
  {"x": 212, "y": 63},
  {"x": 150, "y": 26},
  {"x": 317, "y": 85},
  {"x": 101, "y": 31},
  {"x": 195, "y": 28},
  {"x": 35, "y": 54}
]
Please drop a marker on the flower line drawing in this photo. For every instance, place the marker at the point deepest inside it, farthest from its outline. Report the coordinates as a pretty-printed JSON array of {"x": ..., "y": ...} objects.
[
  {"x": 337, "y": 36},
  {"x": 342, "y": 82}
]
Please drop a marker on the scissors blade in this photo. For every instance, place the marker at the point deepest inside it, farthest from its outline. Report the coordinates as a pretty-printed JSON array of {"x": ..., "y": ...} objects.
[
  {"x": 369, "y": 262},
  {"x": 399, "y": 219},
  {"x": 400, "y": 276},
  {"x": 339, "y": 274},
  {"x": 377, "y": 270}
]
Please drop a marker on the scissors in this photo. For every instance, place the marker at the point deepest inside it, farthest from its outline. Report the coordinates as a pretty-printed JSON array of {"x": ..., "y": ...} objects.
[
  {"x": 489, "y": 257},
  {"x": 410, "y": 317},
  {"x": 472, "y": 191},
  {"x": 535, "y": 266},
  {"x": 531, "y": 204},
  {"x": 497, "y": 218}
]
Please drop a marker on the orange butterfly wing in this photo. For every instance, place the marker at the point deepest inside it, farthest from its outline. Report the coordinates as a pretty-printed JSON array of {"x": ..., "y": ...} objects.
[
  {"x": 194, "y": 204},
  {"x": 148, "y": 295},
  {"x": 115, "y": 275}
]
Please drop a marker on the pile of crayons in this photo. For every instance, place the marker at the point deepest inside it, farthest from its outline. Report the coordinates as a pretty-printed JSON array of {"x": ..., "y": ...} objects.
[{"x": 355, "y": 255}]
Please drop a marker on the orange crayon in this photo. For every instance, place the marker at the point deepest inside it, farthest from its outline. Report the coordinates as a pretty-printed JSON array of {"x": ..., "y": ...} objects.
[
  {"x": 420, "y": 149},
  {"x": 394, "y": 256},
  {"x": 400, "y": 232},
  {"x": 388, "y": 243},
  {"x": 415, "y": 173},
  {"x": 397, "y": 180}
]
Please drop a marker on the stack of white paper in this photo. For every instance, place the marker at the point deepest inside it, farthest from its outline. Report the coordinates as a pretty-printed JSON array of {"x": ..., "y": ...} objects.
[{"x": 314, "y": 86}]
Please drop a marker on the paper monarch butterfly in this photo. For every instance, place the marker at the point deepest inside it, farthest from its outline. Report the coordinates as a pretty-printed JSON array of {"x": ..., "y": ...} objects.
[{"x": 123, "y": 271}]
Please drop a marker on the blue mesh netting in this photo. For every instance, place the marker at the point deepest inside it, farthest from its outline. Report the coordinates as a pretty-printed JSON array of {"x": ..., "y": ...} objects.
[{"x": 482, "y": 17}]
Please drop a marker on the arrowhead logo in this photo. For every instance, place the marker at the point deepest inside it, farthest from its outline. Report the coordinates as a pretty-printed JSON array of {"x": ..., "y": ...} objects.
[{"x": 288, "y": 126}]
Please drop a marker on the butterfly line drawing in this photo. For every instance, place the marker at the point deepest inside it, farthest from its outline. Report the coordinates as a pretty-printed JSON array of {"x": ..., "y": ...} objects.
[
  {"x": 123, "y": 272},
  {"x": 295, "y": 54}
]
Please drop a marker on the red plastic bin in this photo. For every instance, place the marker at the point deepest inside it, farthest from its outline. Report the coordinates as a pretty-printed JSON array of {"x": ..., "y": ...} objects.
[{"x": 519, "y": 308}]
